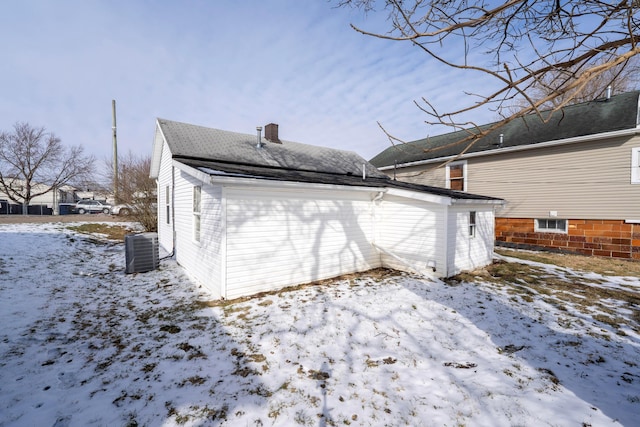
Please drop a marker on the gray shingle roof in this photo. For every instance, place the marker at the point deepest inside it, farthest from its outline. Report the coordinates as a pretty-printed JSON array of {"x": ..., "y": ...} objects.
[
  {"x": 588, "y": 118},
  {"x": 219, "y": 152},
  {"x": 198, "y": 142},
  {"x": 225, "y": 169}
]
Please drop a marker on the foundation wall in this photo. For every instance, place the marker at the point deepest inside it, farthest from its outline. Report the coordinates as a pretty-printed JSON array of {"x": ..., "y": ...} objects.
[{"x": 607, "y": 238}]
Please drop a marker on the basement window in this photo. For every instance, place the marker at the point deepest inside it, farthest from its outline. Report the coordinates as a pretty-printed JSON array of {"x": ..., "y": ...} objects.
[
  {"x": 197, "y": 197},
  {"x": 635, "y": 165},
  {"x": 551, "y": 225}
]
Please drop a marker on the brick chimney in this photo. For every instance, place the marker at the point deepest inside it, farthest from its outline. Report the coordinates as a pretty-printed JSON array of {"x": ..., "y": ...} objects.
[{"x": 271, "y": 133}]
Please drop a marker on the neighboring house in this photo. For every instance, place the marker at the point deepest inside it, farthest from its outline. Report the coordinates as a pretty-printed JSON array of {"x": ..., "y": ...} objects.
[
  {"x": 571, "y": 182},
  {"x": 50, "y": 200},
  {"x": 243, "y": 214}
]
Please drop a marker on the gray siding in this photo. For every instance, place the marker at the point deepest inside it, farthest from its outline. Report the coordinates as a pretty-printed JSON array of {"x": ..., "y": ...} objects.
[
  {"x": 165, "y": 229},
  {"x": 590, "y": 180}
]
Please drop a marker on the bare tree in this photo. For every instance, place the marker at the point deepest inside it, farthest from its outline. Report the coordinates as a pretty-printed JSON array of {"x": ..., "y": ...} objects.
[
  {"x": 136, "y": 190},
  {"x": 622, "y": 78},
  {"x": 34, "y": 162},
  {"x": 562, "y": 46}
]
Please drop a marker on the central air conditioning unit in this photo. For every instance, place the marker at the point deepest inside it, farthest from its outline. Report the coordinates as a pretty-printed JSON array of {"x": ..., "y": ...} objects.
[{"x": 141, "y": 251}]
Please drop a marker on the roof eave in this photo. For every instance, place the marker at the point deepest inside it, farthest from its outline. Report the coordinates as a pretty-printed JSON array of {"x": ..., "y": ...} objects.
[
  {"x": 245, "y": 181},
  {"x": 156, "y": 154}
]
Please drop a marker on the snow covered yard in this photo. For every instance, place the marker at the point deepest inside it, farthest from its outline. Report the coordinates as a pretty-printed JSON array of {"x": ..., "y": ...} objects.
[{"x": 84, "y": 344}]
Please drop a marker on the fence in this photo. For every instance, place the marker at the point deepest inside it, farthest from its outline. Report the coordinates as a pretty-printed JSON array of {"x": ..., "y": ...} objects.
[{"x": 7, "y": 208}]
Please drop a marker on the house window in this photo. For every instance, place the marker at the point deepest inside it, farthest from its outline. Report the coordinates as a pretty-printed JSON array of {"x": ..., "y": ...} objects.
[
  {"x": 635, "y": 165},
  {"x": 551, "y": 225},
  {"x": 472, "y": 224},
  {"x": 197, "y": 191},
  {"x": 456, "y": 173},
  {"x": 167, "y": 202}
]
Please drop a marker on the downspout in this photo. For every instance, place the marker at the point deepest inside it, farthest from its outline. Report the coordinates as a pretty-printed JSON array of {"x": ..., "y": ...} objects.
[
  {"x": 447, "y": 213},
  {"x": 374, "y": 219},
  {"x": 223, "y": 243},
  {"x": 378, "y": 197}
]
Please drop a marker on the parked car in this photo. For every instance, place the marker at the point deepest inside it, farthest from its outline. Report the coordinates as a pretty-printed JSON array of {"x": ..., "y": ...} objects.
[
  {"x": 92, "y": 206},
  {"x": 121, "y": 210}
]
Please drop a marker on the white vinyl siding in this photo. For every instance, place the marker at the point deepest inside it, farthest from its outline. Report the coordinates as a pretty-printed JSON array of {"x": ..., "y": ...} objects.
[
  {"x": 466, "y": 252},
  {"x": 201, "y": 259},
  {"x": 267, "y": 238},
  {"x": 280, "y": 238},
  {"x": 165, "y": 228},
  {"x": 413, "y": 231}
]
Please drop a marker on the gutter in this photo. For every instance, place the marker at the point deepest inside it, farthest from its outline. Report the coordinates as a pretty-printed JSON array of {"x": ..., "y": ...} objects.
[
  {"x": 477, "y": 202},
  {"x": 573, "y": 140},
  {"x": 247, "y": 181}
]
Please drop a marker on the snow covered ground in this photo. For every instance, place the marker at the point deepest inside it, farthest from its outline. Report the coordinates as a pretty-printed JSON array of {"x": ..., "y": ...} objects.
[{"x": 83, "y": 344}]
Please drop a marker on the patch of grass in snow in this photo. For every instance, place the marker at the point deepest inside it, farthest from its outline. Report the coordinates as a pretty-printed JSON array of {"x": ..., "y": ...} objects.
[
  {"x": 196, "y": 412},
  {"x": 604, "y": 266},
  {"x": 362, "y": 278},
  {"x": 550, "y": 375},
  {"x": 193, "y": 380},
  {"x": 111, "y": 232},
  {"x": 563, "y": 291}
]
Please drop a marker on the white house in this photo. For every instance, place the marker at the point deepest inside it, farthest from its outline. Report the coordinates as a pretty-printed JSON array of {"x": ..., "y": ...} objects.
[
  {"x": 245, "y": 214},
  {"x": 51, "y": 197}
]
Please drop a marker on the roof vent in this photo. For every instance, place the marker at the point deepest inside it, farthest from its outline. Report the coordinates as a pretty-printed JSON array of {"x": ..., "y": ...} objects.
[
  {"x": 608, "y": 92},
  {"x": 141, "y": 252},
  {"x": 271, "y": 133},
  {"x": 259, "y": 137}
]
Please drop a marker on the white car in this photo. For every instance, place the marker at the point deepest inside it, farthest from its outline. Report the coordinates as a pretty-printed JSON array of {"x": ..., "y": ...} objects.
[
  {"x": 121, "y": 210},
  {"x": 92, "y": 206}
]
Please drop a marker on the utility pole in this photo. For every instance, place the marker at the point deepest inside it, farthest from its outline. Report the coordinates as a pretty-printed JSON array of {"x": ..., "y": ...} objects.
[{"x": 115, "y": 154}]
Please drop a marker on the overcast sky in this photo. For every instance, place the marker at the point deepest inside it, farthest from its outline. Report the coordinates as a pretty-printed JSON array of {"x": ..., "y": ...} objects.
[{"x": 226, "y": 64}]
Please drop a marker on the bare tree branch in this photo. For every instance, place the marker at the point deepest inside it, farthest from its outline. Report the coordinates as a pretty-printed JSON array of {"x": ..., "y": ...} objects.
[
  {"x": 136, "y": 189},
  {"x": 538, "y": 54}
]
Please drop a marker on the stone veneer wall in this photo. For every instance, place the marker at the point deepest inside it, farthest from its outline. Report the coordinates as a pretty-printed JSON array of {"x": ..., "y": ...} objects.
[{"x": 609, "y": 238}]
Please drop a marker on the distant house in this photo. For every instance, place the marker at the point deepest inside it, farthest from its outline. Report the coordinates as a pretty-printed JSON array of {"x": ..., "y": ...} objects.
[
  {"x": 46, "y": 203},
  {"x": 571, "y": 182},
  {"x": 244, "y": 214}
]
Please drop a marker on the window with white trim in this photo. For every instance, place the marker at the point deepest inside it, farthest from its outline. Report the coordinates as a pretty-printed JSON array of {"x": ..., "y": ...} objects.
[
  {"x": 548, "y": 225},
  {"x": 456, "y": 174},
  {"x": 197, "y": 198},
  {"x": 167, "y": 202},
  {"x": 635, "y": 165},
  {"x": 472, "y": 224}
]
